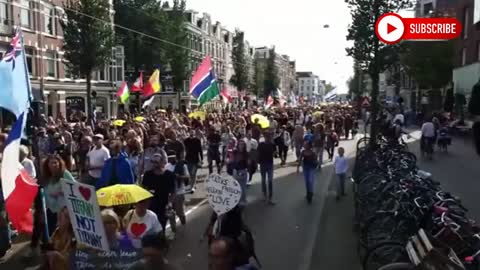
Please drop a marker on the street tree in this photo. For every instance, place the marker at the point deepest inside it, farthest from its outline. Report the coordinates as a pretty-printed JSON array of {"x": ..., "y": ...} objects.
[
  {"x": 429, "y": 63},
  {"x": 176, "y": 50},
  {"x": 271, "y": 81},
  {"x": 259, "y": 78},
  {"x": 241, "y": 77},
  {"x": 371, "y": 54},
  {"x": 88, "y": 40},
  {"x": 142, "y": 52},
  {"x": 329, "y": 87}
]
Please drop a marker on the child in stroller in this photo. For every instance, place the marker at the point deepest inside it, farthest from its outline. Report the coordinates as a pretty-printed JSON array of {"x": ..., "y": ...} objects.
[{"x": 444, "y": 139}]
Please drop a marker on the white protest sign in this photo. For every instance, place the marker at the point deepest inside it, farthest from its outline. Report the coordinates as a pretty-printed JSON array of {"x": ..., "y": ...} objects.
[
  {"x": 85, "y": 214},
  {"x": 223, "y": 193}
]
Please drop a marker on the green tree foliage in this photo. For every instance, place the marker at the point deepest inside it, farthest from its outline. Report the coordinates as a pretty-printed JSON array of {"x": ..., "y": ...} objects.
[
  {"x": 371, "y": 54},
  {"x": 177, "y": 56},
  {"x": 157, "y": 21},
  {"x": 241, "y": 77},
  {"x": 329, "y": 87},
  {"x": 474, "y": 103},
  {"x": 356, "y": 85},
  {"x": 259, "y": 78},
  {"x": 449, "y": 101},
  {"x": 271, "y": 81},
  {"x": 429, "y": 63},
  {"x": 88, "y": 40},
  {"x": 146, "y": 16}
]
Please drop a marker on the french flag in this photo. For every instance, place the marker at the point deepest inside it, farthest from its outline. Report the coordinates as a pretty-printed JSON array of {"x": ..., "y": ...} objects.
[{"x": 19, "y": 188}]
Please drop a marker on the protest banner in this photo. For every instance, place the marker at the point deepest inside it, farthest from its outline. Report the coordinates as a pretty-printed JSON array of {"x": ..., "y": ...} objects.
[
  {"x": 223, "y": 193},
  {"x": 104, "y": 260},
  {"x": 85, "y": 214}
]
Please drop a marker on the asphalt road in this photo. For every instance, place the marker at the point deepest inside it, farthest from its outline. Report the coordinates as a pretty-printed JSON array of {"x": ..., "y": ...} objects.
[{"x": 285, "y": 234}]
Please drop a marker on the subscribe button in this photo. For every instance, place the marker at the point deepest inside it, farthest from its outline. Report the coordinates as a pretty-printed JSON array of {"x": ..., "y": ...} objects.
[{"x": 392, "y": 28}]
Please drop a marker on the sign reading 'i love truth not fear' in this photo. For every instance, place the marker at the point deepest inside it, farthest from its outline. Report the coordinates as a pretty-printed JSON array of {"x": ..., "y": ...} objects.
[{"x": 85, "y": 214}]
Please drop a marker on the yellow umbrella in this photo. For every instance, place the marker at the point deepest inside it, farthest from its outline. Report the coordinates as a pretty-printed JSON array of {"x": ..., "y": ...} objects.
[
  {"x": 262, "y": 120},
  {"x": 198, "y": 114},
  {"x": 121, "y": 195},
  {"x": 318, "y": 113},
  {"x": 139, "y": 119},
  {"x": 162, "y": 111},
  {"x": 119, "y": 122}
]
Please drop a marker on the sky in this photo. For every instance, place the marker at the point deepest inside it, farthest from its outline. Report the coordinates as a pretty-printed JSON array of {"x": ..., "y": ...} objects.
[{"x": 295, "y": 28}]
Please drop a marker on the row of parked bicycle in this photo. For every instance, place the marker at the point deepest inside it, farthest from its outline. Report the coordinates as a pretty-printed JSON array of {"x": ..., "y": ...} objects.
[{"x": 395, "y": 202}]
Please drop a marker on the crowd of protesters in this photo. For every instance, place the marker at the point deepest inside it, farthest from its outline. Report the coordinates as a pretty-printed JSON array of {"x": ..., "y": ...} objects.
[{"x": 163, "y": 152}]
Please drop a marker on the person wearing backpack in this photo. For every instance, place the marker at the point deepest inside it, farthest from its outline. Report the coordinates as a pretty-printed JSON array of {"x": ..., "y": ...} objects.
[{"x": 117, "y": 169}]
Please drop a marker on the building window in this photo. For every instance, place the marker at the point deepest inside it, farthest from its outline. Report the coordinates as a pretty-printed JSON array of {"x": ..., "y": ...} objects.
[
  {"x": 49, "y": 19},
  {"x": 464, "y": 56},
  {"x": 67, "y": 71},
  {"x": 29, "y": 57},
  {"x": 4, "y": 21},
  {"x": 466, "y": 23},
  {"x": 308, "y": 88},
  {"x": 51, "y": 64},
  {"x": 25, "y": 13}
]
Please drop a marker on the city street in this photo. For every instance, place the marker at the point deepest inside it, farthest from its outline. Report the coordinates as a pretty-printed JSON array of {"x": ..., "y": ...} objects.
[
  {"x": 295, "y": 235},
  {"x": 285, "y": 234}
]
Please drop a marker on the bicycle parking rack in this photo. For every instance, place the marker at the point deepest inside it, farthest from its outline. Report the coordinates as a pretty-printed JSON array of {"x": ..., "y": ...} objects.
[{"x": 425, "y": 256}]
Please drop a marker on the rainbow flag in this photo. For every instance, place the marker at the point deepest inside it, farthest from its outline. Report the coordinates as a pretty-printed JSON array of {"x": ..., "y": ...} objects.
[{"x": 123, "y": 93}]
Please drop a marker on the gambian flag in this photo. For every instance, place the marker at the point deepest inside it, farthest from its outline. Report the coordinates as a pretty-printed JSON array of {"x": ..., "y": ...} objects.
[
  {"x": 19, "y": 188},
  {"x": 153, "y": 85},
  {"x": 123, "y": 93},
  {"x": 204, "y": 86}
]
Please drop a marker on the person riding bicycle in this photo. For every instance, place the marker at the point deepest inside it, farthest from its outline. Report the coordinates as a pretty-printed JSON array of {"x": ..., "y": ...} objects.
[{"x": 444, "y": 139}]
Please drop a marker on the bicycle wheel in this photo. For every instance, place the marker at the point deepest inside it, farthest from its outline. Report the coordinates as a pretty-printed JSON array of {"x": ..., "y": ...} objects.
[
  {"x": 398, "y": 266},
  {"x": 383, "y": 254}
]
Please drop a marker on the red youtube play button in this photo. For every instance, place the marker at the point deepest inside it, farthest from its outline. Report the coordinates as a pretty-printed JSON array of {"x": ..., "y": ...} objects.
[{"x": 390, "y": 28}]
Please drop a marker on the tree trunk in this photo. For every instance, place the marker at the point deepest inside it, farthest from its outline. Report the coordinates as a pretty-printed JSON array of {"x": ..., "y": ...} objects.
[
  {"x": 375, "y": 109},
  {"x": 89, "y": 98}
]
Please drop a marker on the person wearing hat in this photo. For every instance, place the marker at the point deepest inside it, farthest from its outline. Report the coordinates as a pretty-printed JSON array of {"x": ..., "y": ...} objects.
[{"x": 96, "y": 159}]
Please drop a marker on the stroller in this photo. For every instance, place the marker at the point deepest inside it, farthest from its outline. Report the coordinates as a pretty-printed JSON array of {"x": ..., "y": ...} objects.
[{"x": 444, "y": 139}]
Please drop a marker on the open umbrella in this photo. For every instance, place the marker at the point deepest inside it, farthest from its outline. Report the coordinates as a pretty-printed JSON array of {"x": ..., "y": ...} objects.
[
  {"x": 121, "y": 195},
  {"x": 198, "y": 114},
  {"x": 139, "y": 119},
  {"x": 119, "y": 122},
  {"x": 318, "y": 113},
  {"x": 262, "y": 120}
]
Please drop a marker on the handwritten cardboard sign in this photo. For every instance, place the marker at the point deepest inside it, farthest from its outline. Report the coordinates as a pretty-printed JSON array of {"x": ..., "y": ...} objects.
[
  {"x": 223, "y": 193},
  {"x": 85, "y": 215},
  {"x": 91, "y": 260}
]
